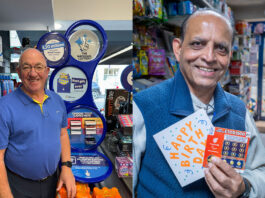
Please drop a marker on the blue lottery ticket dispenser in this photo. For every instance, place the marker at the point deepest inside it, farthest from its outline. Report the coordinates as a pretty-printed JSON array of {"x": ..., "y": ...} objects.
[{"x": 74, "y": 57}]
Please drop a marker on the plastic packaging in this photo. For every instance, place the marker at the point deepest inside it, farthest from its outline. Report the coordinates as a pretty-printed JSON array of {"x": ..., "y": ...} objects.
[
  {"x": 138, "y": 7},
  {"x": 5, "y": 86},
  {"x": 156, "y": 63},
  {"x": 106, "y": 193},
  {"x": 155, "y": 8},
  {"x": 143, "y": 62},
  {"x": 82, "y": 191},
  {"x": 10, "y": 84}
]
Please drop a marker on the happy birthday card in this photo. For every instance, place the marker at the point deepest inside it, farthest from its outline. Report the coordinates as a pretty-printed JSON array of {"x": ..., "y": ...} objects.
[{"x": 183, "y": 145}]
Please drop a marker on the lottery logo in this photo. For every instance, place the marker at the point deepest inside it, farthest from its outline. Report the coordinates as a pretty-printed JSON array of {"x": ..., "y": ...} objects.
[
  {"x": 226, "y": 148},
  {"x": 242, "y": 145},
  {"x": 85, "y": 45},
  {"x": 225, "y": 153},
  {"x": 234, "y": 144},
  {"x": 241, "y": 155},
  {"x": 234, "y": 149},
  {"x": 233, "y": 154},
  {"x": 227, "y": 143},
  {"x": 209, "y": 159},
  {"x": 241, "y": 150}
]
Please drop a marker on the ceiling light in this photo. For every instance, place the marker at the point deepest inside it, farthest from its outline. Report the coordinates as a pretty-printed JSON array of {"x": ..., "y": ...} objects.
[
  {"x": 57, "y": 26},
  {"x": 117, "y": 53}
]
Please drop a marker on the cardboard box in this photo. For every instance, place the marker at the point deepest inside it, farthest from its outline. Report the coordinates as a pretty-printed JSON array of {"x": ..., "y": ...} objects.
[
  {"x": 126, "y": 123},
  {"x": 113, "y": 99}
]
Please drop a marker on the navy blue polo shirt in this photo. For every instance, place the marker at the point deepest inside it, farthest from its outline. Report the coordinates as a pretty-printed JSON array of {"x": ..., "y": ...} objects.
[{"x": 31, "y": 137}]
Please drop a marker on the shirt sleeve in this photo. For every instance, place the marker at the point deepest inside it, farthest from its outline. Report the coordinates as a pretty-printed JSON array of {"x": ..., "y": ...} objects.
[
  {"x": 139, "y": 142},
  {"x": 4, "y": 128},
  {"x": 255, "y": 164}
]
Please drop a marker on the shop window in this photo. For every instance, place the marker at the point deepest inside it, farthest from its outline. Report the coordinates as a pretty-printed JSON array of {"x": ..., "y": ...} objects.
[{"x": 105, "y": 77}]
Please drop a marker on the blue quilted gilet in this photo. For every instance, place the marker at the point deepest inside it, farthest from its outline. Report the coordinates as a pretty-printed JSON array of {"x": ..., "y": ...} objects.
[{"x": 162, "y": 106}]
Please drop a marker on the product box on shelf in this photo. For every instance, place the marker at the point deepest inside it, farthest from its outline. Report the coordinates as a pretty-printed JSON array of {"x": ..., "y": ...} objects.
[
  {"x": 241, "y": 27},
  {"x": 156, "y": 62},
  {"x": 126, "y": 123},
  {"x": 236, "y": 68},
  {"x": 123, "y": 166},
  {"x": 113, "y": 99},
  {"x": 125, "y": 143}
]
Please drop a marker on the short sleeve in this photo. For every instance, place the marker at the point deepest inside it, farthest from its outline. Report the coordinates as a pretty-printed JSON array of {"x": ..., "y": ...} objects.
[{"x": 4, "y": 127}]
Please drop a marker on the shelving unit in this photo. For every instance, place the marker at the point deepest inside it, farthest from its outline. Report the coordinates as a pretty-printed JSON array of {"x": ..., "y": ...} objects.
[
  {"x": 123, "y": 184},
  {"x": 126, "y": 181}
]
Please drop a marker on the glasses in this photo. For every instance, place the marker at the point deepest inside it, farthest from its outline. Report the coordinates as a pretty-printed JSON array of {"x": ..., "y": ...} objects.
[{"x": 38, "y": 68}]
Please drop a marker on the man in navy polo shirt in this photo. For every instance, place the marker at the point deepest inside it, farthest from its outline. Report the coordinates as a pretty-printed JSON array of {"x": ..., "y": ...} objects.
[{"x": 33, "y": 135}]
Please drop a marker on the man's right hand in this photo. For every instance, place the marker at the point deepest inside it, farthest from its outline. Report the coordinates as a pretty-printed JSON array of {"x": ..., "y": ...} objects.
[
  {"x": 5, "y": 191},
  {"x": 223, "y": 180}
]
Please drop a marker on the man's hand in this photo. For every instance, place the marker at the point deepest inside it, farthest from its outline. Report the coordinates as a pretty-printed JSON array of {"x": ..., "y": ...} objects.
[
  {"x": 223, "y": 180},
  {"x": 67, "y": 178}
]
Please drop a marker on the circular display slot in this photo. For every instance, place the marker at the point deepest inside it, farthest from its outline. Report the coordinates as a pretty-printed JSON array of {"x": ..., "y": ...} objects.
[{"x": 70, "y": 83}]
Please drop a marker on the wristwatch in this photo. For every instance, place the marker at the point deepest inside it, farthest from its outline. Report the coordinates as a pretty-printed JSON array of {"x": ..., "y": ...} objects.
[
  {"x": 247, "y": 189},
  {"x": 67, "y": 163}
]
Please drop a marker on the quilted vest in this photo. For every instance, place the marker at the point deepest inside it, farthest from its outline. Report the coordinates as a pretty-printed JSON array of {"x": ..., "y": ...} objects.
[{"x": 163, "y": 105}]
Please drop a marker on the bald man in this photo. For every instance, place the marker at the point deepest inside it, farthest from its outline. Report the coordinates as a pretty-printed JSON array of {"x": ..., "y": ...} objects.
[
  {"x": 203, "y": 52},
  {"x": 33, "y": 135}
]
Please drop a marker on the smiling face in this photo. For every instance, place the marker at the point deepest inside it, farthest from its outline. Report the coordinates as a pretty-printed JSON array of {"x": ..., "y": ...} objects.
[
  {"x": 33, "y": 79},
  {"x": 205, "y": 53}
]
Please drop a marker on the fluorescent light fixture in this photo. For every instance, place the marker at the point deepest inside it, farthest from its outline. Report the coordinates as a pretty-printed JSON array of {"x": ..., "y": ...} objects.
[
  {"x": 57, "y": 26},
  {"x": 117, "y": 53},
  {"x": 14, "y": 39}
]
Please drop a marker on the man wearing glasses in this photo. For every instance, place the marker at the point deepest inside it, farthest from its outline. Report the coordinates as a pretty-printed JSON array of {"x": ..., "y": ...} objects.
[{"x": 33, "y": 135}]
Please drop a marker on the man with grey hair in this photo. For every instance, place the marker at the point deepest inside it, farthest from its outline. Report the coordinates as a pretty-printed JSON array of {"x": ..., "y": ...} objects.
[
  {"x": 33, "y": 135},
  {"x": 203, "y": 52}
]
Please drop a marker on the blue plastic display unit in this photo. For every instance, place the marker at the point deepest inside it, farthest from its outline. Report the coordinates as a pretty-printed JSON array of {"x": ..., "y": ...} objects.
[
  {"x": 125, "y": 75},
  {"x": 87, "y": 67},
  {"x": 84, "y": 101},
  {"x": 51, "y": 49},
  {"x": 90, "y": 167}
]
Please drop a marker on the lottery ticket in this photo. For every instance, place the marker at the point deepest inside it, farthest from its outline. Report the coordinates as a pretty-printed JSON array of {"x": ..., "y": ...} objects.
[{"x": 229, "y": 145}]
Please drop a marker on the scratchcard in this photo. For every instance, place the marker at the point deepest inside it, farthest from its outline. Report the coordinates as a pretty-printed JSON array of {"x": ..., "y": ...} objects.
[{"x": 229, "y": 145}]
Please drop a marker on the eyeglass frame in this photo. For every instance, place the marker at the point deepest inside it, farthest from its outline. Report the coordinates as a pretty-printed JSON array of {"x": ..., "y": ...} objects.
[{"x": 39, "y": 68}]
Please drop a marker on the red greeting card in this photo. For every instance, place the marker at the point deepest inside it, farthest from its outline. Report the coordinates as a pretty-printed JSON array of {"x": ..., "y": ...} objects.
[{"x": 229, "y": 145}]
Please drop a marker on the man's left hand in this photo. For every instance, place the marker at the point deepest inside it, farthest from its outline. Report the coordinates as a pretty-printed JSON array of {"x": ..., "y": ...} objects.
[
  {"x": 223, "y": 180},
  {"x": 67, "y": 178}
]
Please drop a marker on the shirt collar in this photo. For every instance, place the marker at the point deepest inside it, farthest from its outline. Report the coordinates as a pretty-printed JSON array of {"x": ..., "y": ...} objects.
[
  {"x": 197, "y": 104},
  {"x": 182, "y": 103},
  {"x": 25, "y": 98}
]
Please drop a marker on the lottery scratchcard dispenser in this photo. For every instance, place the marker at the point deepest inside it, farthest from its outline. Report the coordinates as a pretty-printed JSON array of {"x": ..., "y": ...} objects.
[{"x": 74, "y": 57}]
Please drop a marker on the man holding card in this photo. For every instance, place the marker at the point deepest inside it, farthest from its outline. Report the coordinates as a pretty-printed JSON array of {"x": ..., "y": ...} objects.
[{"x": 203, "y": 51}]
